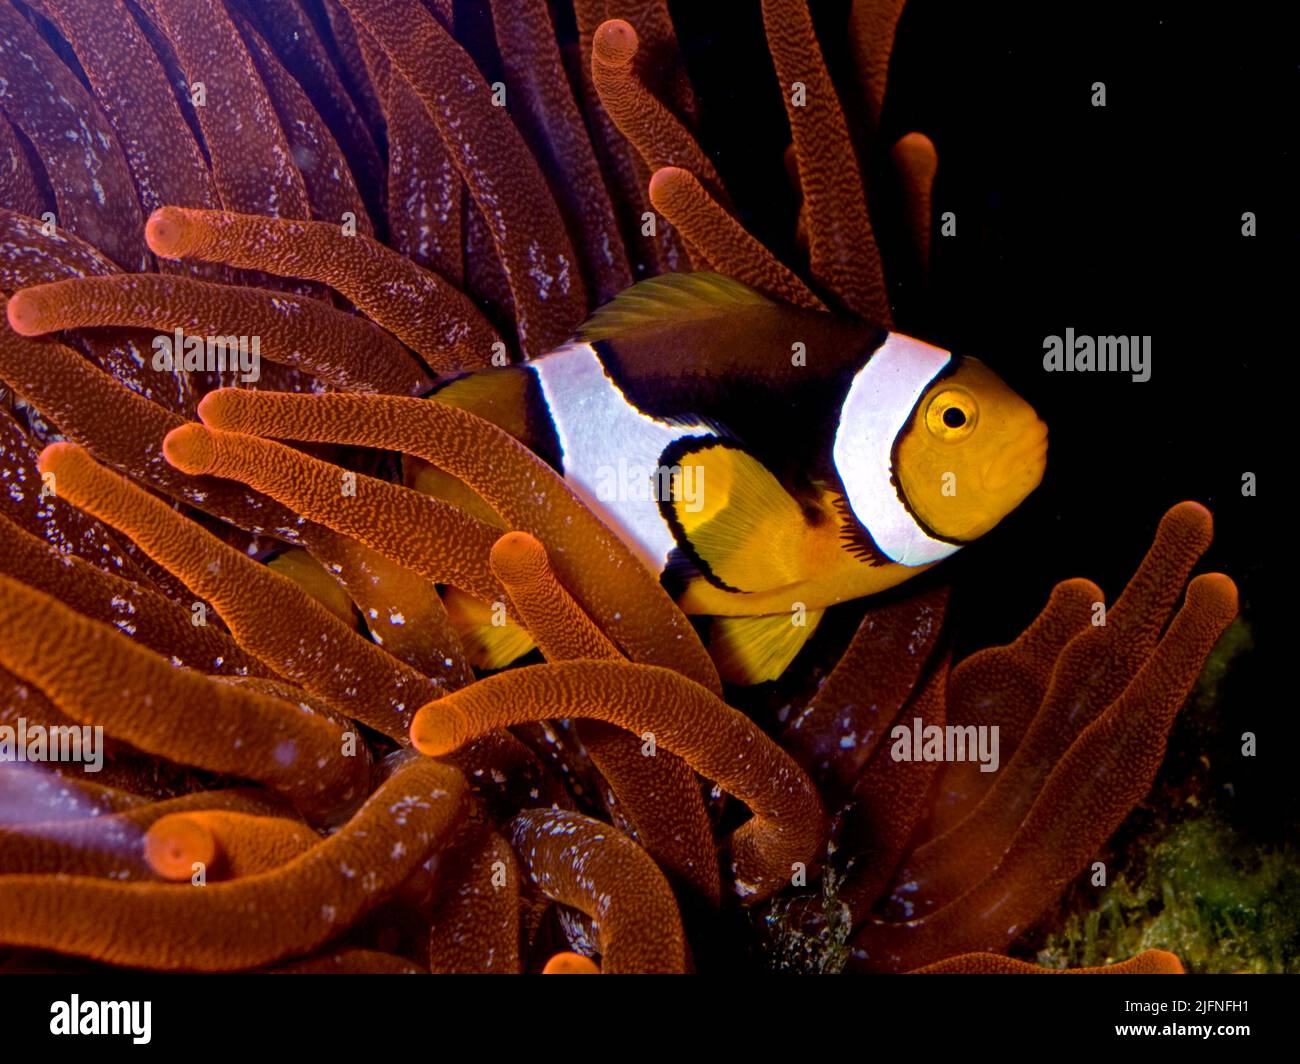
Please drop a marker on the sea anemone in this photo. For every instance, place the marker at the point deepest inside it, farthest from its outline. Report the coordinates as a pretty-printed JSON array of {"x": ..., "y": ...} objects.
[{"x": 303, "y": 770}]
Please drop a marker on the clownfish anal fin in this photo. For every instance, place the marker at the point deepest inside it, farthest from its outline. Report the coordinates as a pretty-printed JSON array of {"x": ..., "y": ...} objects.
[
  {"x": 670, "y": 297},
  {"x": 750, "y": 650},
  {"x": 731, "y": 516},
  {"x": 490, "y": 639}
]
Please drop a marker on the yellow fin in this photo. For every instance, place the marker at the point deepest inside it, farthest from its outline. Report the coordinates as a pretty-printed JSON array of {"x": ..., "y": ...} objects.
[
  {"x": 317, "y": 581},
  {"x": 430, "y": 480},
  {"x": 749, "y": 650},
  {"x": 488, "y": 646},
  {"x": 667, "y": 298},
  {"x": 496, "y": 395},
  {"x": 736, "y": 518}
]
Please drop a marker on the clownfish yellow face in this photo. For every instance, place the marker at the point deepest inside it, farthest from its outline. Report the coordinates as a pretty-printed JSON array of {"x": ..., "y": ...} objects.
[{"x": 972, "y": 452}]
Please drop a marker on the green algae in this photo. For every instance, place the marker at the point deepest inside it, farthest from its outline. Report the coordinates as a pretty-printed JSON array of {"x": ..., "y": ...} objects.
[{"x": 1220, "y": 904}]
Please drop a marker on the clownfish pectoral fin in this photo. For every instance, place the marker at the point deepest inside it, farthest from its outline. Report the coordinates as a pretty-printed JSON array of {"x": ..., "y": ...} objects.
[
  {"x": 491, "y": 640},
  {"x": 749, "y": 650},
  {"x": 731, "y": 517},
  {"x": 670, "y": 297}
]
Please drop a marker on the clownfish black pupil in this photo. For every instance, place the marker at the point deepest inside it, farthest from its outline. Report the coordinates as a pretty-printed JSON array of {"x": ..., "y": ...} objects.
[{"x": 954, "y": 418}]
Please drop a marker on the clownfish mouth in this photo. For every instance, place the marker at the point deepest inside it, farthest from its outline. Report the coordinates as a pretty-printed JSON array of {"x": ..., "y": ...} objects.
[{"x": 1021, "y": 464}]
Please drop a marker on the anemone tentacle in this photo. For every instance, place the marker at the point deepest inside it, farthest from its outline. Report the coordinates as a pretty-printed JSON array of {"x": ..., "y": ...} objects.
[
  {"x": 82, "y": 160},
  {"x": 1003, "y": 687},
  {"x": 110, "y": 846},
  {"x": 224, "y": 844},
  {"x": 916, "y": 161},
  {"x": 684, "y": 718},
  {"x": 658, "y": 797},
  {"x": 570, "y": 964},
  {"x": 429, "y": 228},
  {"x": 150, "y": 618},
  {"x": 474, "y": 926},
  {"x": 416, "y": 531},
  {"x": 434, "y": 319},
  {"x": 720, "y": 241},
  {"x": 250, "y": 158},
  {"x": 549, "y": 118},
  {"x": 97, "y": 676},
  {"x": 246, "y": 922},
  {"x": 345, "y": 350},
  {"x": 548, "y": 294},
  {"x": 1105, "y": 772},
  {"x": 1148, "y": 962},
  {"x": 350, "y": 962},
  {"x": 267, "y": 614},
  {"x": 843, "y": 722},
  {"x": 648, "y": 125},
  {"x": 1090, "y": 672},
  {"x": 595, "y": 566},
  {"x": 888, "y": 802},
  {"x": 586, "y": 864},
  {"x": 842, "y": 250}
]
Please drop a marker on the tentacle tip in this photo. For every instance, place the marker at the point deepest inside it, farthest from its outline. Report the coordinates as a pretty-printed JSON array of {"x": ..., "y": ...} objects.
[
  {"x": 53, "y": 455},
  {"x": 1078, "y": 587},
  {"x": 214, "y": 409},
  {"x": 189, "y": 448},
  {"x": 663, "y": 179},
  {"x": 914, "y": 144},
  {"x": 1191, "y": 515},
  {"x": 437, "y": 729},
  {"x": 515, "y": 551},
  {"x": 174, "y": 845},
  {"x": 570, "y": 964},
  {"x": 26, "y": 312},
  {"x": 614, "y": 42},
  {"x": 166, "y": 232},
  {"x": 1162, "y": 962},
  {"x": 1214, "y": 592}
]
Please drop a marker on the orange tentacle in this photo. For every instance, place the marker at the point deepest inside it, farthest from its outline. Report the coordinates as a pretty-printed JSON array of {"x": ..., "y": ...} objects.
[
  {"x": 611, "y": 585},
  {"x": 659, "y": 797},
  {"x": 585, "y": 864},
  {"x": 246, "y": 922},
  {"x": 269, "y": 615},
  {"x": 788, "y": 825},
  {"x": 433, "y": 318},
  {"x": 722, "y": 241}
]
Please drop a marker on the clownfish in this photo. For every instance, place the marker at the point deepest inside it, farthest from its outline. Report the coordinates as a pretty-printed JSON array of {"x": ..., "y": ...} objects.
[{"x": 765, "y": 461}]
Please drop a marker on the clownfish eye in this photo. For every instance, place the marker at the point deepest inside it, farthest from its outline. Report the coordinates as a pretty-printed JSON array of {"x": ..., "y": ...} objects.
[{"x": 951, "y": 414}]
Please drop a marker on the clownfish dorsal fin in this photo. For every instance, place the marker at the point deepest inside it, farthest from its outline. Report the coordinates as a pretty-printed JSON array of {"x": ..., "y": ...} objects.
[
  {"x": 732, "y": 517},
  {"x": 750, "y": 650},
  {"x": 668, "y": 298}
]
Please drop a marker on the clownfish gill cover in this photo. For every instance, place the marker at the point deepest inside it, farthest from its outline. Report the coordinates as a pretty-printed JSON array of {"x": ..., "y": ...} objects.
[{"x": 641, "y": 486}]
